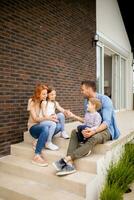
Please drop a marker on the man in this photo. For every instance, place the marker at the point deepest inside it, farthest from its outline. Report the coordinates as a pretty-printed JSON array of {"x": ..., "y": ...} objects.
[{"x": 106, "y": 131}]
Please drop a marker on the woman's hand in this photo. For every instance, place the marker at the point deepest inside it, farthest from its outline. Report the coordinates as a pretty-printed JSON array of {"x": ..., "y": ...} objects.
[{"x": 53, "y": 118}]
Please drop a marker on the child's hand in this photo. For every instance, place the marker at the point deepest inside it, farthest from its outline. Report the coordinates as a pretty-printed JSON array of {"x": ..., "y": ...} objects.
[
  {"x": 66, "y": 112},
  {"x": 70, "y": 114}
]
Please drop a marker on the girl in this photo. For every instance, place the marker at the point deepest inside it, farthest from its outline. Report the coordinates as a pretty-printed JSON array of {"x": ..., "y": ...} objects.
[
  {"x": 37, "y": 129},
  {"x": 49, "y": 109}
]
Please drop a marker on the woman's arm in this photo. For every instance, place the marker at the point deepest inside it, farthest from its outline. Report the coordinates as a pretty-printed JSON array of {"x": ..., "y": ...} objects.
[
  {"x": 59, "y": 108},
  {"x": 43, "y": 107},
  {"x": 34, "y": 115}
]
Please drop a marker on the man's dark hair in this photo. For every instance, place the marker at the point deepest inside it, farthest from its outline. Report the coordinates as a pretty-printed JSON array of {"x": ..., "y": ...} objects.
[{"x": 91, "y": 84}]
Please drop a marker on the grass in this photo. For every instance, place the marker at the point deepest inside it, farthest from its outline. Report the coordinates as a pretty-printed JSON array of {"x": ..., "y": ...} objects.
[{"x": 120, "y": 175}]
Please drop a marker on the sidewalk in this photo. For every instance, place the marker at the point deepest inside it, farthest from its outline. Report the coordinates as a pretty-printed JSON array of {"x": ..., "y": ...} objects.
[{"x": 130, "y": 196}]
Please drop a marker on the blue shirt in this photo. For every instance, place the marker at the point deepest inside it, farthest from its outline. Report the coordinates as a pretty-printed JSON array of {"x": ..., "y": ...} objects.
[{"x": 107, "y": 113}]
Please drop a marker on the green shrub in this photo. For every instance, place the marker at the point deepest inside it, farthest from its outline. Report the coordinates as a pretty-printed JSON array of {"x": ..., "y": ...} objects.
[
  {"x": 119, "y": 176},
  {"x": 111, "y": 193}
]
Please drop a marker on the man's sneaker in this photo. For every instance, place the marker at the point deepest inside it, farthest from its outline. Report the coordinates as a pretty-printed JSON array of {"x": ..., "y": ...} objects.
[
  {"x": 66, "y": 170},
  {"x": 51, "y": 146},
  {"x": 88, "y": 153},
  {"x": 59, "y": 164},
  {"x": 64, "y": 135}
]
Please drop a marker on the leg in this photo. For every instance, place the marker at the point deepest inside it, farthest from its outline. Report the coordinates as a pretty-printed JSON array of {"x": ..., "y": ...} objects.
[
  {"x": 61, "y": 118},
  {"x": 79, "y": 133},
  {"x": 58, "y": 128},
  {"x": 73, "y": 144},
  {"x": 39, "y": 132},
  {"x": 52, "y": 127},
  {"x": 83, "y": 150}
]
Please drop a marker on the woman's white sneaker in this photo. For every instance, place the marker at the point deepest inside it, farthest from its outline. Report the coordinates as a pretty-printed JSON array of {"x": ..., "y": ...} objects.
[
  {"x": 51, "y": 146},
  {"x": 64, "y": 135}
]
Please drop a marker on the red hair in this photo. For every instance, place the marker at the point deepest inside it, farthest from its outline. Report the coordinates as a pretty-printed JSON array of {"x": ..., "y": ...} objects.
[{"x": 38, "y": 90}]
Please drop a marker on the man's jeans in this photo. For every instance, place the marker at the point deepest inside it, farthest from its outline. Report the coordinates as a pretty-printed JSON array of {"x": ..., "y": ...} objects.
[{"x": 75, "y": 150}]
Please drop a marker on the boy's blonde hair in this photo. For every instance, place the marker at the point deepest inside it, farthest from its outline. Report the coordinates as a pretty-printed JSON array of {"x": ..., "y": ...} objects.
[{"x": 96, "y": 102}]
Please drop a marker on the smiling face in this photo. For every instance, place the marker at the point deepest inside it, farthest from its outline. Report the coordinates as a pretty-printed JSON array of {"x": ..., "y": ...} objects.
[
  {"x": 87, "y": 91},
  {"x": 52, "y": 95},
  {"x": 43, "y": 95}
]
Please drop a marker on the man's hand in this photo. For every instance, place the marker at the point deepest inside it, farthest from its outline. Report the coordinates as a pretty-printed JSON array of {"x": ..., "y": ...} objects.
[{"x": 88, "y": 132}]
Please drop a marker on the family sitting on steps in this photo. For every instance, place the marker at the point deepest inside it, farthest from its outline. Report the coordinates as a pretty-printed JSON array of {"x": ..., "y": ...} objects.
[{"x": 98, "y": 125}]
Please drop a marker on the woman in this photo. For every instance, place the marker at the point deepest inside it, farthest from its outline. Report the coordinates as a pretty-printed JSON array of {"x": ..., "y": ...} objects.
[{"x": 39, "y": 130}]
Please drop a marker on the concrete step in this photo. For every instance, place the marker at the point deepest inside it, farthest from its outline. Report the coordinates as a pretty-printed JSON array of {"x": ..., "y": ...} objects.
[
  {"x": 17, "y": 188},
  {"x": 87, "y": 163},
  {"x": 80, "y": 183},
  {"x": 126, "y": 136},
  {"x": 61, "y": 142}
]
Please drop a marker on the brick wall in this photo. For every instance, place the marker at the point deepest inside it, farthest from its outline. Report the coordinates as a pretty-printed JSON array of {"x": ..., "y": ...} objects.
[{"x": 44, "y": 40}]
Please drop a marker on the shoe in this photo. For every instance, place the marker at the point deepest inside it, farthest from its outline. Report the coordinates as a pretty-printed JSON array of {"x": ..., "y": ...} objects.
[
  {"x": 37, "y": 160},
  {"x": 66, "y": 170},
  {"x": 59, "y": 164},
  {"x": 51, "y": 146},
  {"x": 88, "y": 153},
  {"x": 64, "y": 135}
]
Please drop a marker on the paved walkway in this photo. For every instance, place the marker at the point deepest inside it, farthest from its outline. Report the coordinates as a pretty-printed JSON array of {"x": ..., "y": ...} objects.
[{"x": 130, "y": 196}]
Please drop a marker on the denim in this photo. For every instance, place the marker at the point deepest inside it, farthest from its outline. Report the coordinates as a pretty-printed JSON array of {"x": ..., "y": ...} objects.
[
  {"x": 107, "y": 113},
  {"x": 40, "y": 132},
  {"x": 61, "y": 119},
  {"x": 52, "y": 127},
  {"x": 80, "y": 136}
]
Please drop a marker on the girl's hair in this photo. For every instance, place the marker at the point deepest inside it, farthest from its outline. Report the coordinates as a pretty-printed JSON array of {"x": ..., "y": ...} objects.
[
  {"x": 50, "y": 89},
  {"x": 96, "y": 102},
  {"x": 38, "y": 90}
]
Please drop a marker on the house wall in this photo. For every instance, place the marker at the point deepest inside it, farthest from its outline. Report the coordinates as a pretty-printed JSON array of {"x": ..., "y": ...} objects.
[
  {"x": 110, "y": 27},
  {"x": 110, "y": 23},
  {"x": 46, "y": 41}
]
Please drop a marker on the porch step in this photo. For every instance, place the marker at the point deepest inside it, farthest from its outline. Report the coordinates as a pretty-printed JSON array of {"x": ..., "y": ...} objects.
[
  {"x": 87, "y": 163},
  {"x": 126, "y": 136},
  {"x": 17, "y": 188},
  {"x": 80, "y": 183}
]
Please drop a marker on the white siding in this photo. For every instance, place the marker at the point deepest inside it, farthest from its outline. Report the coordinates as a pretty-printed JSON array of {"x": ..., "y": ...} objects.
[
  {"x": 110, "y": 23},
  {"x": 112, "y": 32}
]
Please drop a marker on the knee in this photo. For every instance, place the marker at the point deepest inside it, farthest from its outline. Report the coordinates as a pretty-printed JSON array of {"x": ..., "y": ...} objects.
[
  {"x": 73, "y": 133},
  {"x": 53, "y": 124},
  {"x": 61, "y": 115}
]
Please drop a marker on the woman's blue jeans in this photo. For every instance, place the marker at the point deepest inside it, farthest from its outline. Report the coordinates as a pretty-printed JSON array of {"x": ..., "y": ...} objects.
[{"x": 41, "y": 132}]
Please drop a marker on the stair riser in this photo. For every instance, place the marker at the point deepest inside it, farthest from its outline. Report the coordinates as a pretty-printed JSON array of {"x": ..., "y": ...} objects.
[
  {"x": 63, "y": 143},
  {"x": 53, "y": 180},
  {"x": 7, "y": 194},
  {"x": 81, "y": 165}
]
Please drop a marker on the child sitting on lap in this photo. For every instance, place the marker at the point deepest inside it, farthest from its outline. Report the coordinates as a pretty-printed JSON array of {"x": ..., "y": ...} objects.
[{"x": 91, "y": 120}]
